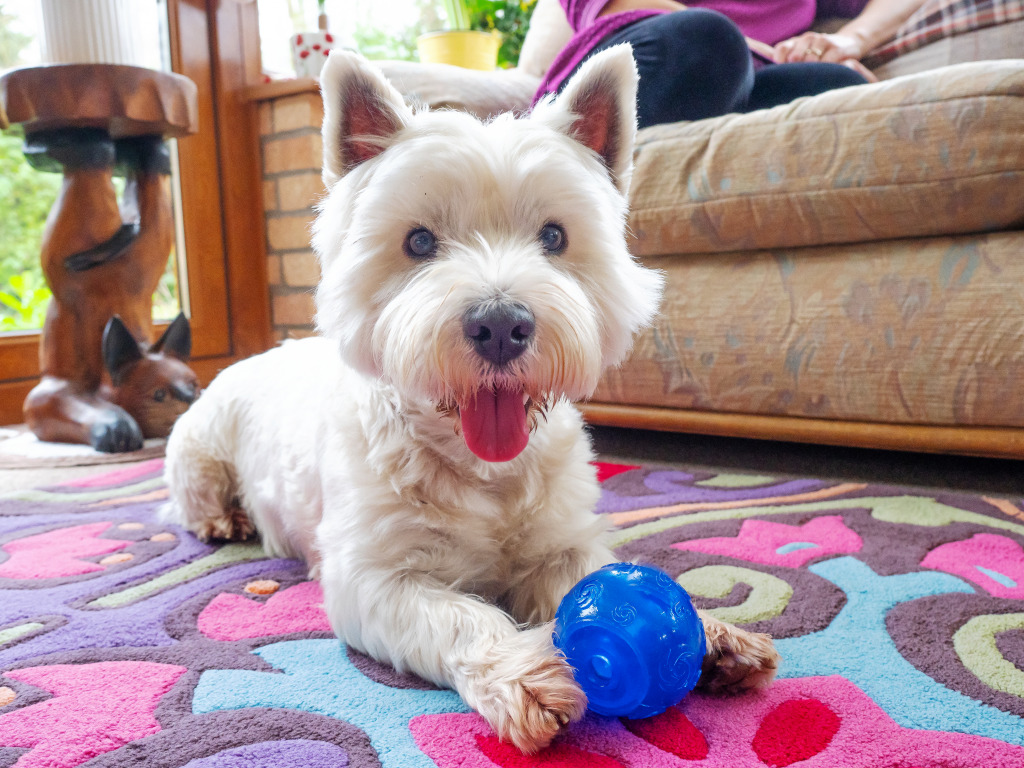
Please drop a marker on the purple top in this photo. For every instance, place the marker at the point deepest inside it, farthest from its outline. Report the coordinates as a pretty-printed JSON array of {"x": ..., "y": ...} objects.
[{"x": 770, "y": 21}]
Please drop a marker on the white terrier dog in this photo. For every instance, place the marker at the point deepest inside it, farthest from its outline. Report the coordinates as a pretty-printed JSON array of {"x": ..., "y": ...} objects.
[{"x": 423, "y": 456}]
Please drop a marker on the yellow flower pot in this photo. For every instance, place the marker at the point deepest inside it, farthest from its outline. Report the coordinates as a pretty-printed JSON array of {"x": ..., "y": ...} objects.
[{"x": 469, "y": 48}]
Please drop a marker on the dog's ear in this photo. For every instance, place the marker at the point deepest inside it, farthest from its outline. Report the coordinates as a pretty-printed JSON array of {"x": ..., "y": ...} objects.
[
  {"x": 176, "y": 341},
  {"x": 598, "y": 109},
  {"x": 362, "y": 112}
]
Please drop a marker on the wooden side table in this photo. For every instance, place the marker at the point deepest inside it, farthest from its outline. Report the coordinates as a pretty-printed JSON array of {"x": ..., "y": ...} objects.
[{"x": 103, "y": 258}]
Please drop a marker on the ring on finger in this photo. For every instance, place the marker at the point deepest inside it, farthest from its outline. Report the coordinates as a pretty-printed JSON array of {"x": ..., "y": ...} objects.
[{"x": 816, "y": 51}]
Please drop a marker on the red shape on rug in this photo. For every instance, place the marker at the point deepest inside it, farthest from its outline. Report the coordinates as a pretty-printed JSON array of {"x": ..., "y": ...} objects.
[
  {"x": 795, "y": 730},
  {"x": 671, "y": 732},
  {"x": 96, "y": 708},
  {"x": 57, "y": 553},
  {"x": 555, "y": 756},
  {"x": 606, "y": 469},
  {"x": 296, "y": 609}
]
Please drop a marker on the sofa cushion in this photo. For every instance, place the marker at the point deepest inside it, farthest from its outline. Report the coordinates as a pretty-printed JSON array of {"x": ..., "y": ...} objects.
[
  {"x": 942, "y": 19},
  {"x": 922, "y": 331},
  {"x": 936, "y": 153},
  {"x": 1003, "y": 41},
  {"x": 443, "y": 86}
]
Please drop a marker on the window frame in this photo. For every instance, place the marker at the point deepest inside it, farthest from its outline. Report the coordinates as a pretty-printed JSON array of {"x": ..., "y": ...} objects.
[{"x": 216, "y": 44}]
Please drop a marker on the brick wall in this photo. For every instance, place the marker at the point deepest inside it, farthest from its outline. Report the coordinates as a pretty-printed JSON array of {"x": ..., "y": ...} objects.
[{"x": 291, "y": 147}]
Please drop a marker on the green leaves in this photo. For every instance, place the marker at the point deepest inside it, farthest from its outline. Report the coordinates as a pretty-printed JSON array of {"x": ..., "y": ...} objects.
[
  {"x": 25, "y": 199},
  {"x": 511, "y": 18},
  {"x": 23, "y": 302},
  {"x": 457, "y": 13}
]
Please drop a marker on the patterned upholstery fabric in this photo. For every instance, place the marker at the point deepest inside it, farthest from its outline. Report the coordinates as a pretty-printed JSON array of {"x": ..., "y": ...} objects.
[
  {"x": 918, "y": 331},
  {"x": 938, "y": 19},
  {"x": 856, "y": 256},
  {"x": 918, "y": 156}
]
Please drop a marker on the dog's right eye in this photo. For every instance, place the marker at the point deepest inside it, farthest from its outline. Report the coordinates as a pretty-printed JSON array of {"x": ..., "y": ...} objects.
[
  {"x": 552, "y": 238},
  {"x": 420, "y": 244}
]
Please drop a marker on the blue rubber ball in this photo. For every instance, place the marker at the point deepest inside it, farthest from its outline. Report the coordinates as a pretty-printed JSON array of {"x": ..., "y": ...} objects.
[{"x": 633, "y": 639}]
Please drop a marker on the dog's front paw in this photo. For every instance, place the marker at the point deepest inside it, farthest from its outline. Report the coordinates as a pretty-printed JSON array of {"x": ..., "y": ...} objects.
[
  {"x": 527, "y": 694},
  {"x": 233, "y": 525},
  {"x": 736, "y": 660}
]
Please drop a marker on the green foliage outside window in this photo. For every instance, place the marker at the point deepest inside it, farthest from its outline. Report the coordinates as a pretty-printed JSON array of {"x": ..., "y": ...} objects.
[
  {"x": 26, "y": 196},
  {"x": 509, "y": 17},
  {"x": 395, "y": 41},
  {"x": 376, "y": 43},
  {"x": 12, "y": 42},
  {"x": 25, "y": 199}
]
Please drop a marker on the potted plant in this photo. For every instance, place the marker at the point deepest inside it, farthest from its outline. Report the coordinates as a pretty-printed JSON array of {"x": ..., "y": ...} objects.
[{"x": 482, "y": 34}]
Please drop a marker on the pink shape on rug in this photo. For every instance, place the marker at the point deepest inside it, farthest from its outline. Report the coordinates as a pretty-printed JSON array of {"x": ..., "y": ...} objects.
[
  {"x": 791, "y": 546},
  {"x": 117, "y": 477},
  {"x": 57, "y": 553},
  {"x": 234, "y": 617},
  {"x": 995, "y": 563},
  {"x": 96, "y": 708},
  {"x": 849, "y": 731}
]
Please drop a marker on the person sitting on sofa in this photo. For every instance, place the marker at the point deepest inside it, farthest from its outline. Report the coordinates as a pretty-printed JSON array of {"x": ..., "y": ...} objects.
[{"x": 726, "y": 55}]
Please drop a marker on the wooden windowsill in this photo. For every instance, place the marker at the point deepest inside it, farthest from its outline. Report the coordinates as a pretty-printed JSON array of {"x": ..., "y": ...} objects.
[{"x": 278, "y": 88}]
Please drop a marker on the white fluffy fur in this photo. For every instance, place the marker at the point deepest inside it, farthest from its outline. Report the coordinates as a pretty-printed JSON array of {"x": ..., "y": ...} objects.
[{"x": 432, "y": 559}]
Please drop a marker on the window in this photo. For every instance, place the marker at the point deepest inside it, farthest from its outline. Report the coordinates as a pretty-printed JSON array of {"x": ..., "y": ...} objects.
[
  {"x": 216, "y": 45},
  {"x": 379, "y": 29},
  {"x": 27, "y": 194}
]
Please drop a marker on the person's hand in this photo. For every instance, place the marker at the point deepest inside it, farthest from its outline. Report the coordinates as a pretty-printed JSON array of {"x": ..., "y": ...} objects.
[
  {"x": 818, "y": 46},
  {"x": 859, "y": 68}
]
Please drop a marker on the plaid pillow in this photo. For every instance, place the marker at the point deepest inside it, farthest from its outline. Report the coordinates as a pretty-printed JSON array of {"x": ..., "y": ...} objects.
[{"x": 937, "y": 19}]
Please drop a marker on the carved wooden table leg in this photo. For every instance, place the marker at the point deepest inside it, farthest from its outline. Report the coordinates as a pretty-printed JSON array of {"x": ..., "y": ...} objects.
[{"x": 104, "y": 383}]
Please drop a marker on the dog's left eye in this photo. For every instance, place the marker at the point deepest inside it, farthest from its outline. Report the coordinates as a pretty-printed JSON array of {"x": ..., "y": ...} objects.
[
  {"x": 420, "y": 243},
  {"x": 160, "y": 395},
  {"x": 552, "y": 238}
]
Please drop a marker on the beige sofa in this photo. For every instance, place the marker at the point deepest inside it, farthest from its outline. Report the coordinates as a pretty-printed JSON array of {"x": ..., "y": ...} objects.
[{"x": 845, "y": 269}]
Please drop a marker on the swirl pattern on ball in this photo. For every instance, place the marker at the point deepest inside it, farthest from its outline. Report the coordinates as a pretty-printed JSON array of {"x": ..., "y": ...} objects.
[{"x": 635, "y": 645}]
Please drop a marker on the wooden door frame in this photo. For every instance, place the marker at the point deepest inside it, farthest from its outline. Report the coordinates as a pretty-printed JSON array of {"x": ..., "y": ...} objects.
[{"x": 216, "y": 44}]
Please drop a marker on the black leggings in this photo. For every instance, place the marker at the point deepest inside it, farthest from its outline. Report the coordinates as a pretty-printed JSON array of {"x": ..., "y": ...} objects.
[{"x": 695, "y": 64}]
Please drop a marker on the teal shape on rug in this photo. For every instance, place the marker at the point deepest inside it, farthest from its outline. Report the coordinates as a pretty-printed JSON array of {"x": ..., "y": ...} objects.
[
  {"x": 319, "y": 678},
  {"x": 996, "y": 576},
  {"x": 870, "y": 659},
  {"x": 796, "y": 546}
]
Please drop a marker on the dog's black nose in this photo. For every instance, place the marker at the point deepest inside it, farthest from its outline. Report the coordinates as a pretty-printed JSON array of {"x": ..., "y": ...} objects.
[{"x": 500, "y": 331}]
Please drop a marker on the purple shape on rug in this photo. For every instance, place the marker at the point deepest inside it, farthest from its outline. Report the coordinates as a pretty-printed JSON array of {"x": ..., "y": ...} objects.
[
  {"x": 135, "y": 624},
  {"x": 672, "y": 487},
  {"x": 298, "y": 753},
  {"x": 140, "y": 623}
]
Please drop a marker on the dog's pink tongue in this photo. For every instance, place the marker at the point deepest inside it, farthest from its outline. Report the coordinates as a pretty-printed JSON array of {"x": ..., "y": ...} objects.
[{"x": 494, "y": 424}]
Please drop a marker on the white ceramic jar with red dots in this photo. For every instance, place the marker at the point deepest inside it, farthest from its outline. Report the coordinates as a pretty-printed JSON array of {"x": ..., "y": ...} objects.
[{"x": 310, "y": 50}]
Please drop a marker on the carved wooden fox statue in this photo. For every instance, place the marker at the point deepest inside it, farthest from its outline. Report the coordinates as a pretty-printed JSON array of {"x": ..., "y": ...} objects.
[{"x": 103, "y": 384}]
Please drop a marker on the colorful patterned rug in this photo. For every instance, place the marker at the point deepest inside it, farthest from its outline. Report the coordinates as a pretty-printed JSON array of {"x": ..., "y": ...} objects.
[{"x": 899, "y": 616}]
